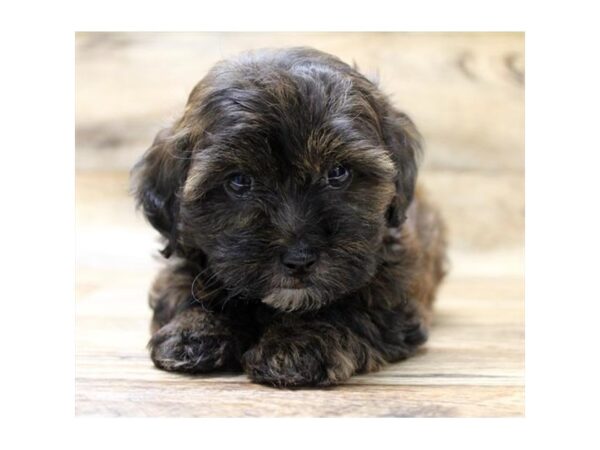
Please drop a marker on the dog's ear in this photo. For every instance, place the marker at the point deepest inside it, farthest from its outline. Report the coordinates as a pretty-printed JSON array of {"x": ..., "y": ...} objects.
[
  {"x": 404, "y": 142},
  {"x": 157, "y": 180}
]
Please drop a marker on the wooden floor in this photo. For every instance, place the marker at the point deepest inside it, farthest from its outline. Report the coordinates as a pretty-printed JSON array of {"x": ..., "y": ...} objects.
[{"x": 465, "y": 93}]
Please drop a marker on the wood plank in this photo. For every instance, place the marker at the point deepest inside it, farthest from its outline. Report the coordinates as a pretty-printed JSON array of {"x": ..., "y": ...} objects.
[
  {"x": 184, "y": 399},
  {"x": 465, "y": 91}
]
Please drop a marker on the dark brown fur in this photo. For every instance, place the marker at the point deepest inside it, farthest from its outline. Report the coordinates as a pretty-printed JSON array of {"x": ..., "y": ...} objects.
[{"x": 227, "y": 299}]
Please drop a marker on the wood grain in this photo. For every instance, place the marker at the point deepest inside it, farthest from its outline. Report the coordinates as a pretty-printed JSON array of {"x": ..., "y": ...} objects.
[{"x": 465, "y": 91}]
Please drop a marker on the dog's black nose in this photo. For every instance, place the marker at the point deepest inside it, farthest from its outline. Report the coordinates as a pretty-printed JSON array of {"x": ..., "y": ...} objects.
[{"x": 299, "y": 259}]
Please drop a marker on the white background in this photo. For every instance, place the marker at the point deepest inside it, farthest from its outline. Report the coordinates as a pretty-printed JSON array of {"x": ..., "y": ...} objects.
[{"x": 562, "y": 223}]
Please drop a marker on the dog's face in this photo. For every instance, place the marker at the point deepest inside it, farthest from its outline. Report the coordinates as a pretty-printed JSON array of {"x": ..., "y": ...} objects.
[{"x": 283, "y": 173}]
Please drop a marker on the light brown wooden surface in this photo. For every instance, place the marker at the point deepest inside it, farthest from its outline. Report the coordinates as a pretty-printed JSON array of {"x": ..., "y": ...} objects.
[{"x": 465, "y": 93}]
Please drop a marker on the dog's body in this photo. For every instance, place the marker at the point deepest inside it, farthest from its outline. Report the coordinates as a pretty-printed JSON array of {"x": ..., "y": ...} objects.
[{"x": 298, "y": 249}]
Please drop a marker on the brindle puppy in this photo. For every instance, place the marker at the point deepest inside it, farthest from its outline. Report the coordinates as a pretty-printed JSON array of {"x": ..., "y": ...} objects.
[{"x": 298, "y": 250}]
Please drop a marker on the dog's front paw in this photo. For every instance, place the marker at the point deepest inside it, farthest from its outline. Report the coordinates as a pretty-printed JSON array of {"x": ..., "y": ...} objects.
[
  {"x": 295, "y": 361},
  {"x": 193, "y": 343}
]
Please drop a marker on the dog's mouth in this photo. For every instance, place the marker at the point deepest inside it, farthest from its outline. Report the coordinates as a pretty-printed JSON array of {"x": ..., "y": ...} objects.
[
  {"x": 293, "y": 283},
  {"x": 302, "y": 292},
  {"x": 291, "y": 293},
  {"x": 293, "y": 299}
]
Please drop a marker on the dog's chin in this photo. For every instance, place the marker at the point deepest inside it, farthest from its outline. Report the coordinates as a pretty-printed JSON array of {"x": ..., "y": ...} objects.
[{"x": 295, "y": 299}]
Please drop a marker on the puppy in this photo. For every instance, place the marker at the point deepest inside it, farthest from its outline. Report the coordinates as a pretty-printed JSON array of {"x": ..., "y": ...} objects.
[{"x": 297, "y": 248}]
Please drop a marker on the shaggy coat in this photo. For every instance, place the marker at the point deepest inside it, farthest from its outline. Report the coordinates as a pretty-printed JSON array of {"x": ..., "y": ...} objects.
[{"x": 298, "y": 250}]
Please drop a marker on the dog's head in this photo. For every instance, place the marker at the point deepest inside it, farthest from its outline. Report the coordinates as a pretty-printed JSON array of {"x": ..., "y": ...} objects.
[{"x": 284, "y": 172}]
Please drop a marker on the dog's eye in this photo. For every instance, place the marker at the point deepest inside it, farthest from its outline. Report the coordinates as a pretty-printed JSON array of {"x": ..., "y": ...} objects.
[
  {"x": 338, "y": 176},
  {"x": 239, "y": 184}
]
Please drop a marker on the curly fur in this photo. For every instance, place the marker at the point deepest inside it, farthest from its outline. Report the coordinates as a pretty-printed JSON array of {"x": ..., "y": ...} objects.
[{"x": 224, "y": 301}]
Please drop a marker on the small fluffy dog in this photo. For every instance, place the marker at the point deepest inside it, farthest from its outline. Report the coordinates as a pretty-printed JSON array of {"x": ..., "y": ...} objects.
[{"x": 298, "y": 249}]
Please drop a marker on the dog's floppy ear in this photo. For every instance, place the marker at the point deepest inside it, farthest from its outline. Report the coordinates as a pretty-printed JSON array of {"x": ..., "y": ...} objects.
[
  {"x": 404, "y": 142},
  {"x": 157, "y": 180}
]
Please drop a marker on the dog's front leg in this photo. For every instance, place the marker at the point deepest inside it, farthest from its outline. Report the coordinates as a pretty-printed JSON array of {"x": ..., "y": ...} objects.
[
  {"x": 187, "y": 336},
  {"x": 327, "y": 348}
]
